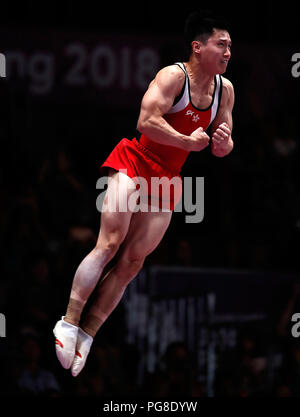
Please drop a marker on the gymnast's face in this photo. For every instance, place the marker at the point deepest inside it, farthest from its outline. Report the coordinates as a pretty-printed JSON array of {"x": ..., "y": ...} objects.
[{"x": 215, "y": 54}]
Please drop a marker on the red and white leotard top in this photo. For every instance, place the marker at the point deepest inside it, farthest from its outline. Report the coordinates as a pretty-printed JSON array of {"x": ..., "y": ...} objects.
[{"x": 185, "y": 118}]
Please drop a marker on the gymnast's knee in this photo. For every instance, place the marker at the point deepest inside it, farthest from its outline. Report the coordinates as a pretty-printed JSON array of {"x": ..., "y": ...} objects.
[{"x": 128, "y": 267}]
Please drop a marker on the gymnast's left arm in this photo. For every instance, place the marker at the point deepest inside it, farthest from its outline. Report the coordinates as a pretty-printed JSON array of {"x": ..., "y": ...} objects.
[{"x": 222, "y": 143}]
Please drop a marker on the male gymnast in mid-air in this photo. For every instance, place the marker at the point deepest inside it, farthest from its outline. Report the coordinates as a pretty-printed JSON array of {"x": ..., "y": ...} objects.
[{"x": 179, "y": 105}]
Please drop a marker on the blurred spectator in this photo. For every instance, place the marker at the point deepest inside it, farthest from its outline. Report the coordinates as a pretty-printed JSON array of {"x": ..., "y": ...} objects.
[
  {"x": 243, "y": 371},
  {"x": 38, "y": 293},
  {"x": 34, "y": 379},
  {"x": 288, "y": 379},
  {"x": 174, "y": 376}
]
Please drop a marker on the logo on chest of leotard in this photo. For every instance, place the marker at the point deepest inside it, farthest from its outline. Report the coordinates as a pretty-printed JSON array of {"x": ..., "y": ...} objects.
[{"x": 195, "y": 117}]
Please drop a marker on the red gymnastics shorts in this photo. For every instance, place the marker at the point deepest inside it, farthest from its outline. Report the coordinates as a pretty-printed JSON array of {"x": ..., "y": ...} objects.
[{"x": 163, "y": 188}]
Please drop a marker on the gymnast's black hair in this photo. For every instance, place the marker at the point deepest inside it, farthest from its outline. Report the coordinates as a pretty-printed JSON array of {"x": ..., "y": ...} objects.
[{"x": 200, "y": 26}]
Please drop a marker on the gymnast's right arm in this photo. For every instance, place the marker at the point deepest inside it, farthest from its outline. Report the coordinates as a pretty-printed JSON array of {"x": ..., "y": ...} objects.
[{"x": 156, "y": 102}]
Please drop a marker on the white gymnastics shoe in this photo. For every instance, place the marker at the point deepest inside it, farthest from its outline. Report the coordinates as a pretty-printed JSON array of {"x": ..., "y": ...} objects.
[
  {"x": 84, "y": 343},
  {"x": 65, "y": 342}
]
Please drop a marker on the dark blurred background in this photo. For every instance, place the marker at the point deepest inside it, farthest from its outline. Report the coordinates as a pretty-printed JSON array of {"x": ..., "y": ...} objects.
[{"x": 76, "y": 73}]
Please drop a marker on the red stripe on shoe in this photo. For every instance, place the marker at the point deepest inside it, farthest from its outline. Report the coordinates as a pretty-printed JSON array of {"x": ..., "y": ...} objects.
[
  {"x": 78, "y": 354},
  {"x": 58, "y": 342}
]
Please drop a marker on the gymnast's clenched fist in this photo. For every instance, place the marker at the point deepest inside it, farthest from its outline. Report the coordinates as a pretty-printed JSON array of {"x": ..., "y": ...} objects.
[{"x": 222, "y": 142}]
